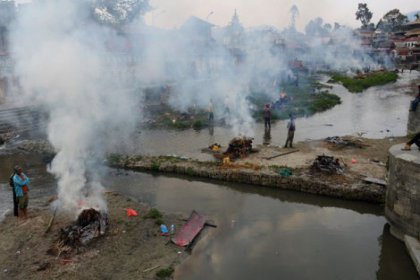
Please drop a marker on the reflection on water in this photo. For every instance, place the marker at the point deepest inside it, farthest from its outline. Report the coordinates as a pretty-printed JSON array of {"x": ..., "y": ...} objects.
[
  {"x": 267, "y": 137},
  {"x": 270, "y": 234},
  {"x": 376, "y": 113}
]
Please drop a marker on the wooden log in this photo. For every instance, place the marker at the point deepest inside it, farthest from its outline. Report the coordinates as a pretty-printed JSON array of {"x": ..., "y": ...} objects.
[
  {"x": 51, "y": 221},
  {"x": 282, "y": 154},
  {"x": 151, "y": 268}
]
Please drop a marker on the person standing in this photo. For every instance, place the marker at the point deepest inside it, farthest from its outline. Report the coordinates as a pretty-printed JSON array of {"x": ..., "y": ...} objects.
[
  {"x": 15, "y": 202},
  {"x": 291, "y": 126},
  {"x": 267, "y": 116},
  {"x": 210, "y": 111},
  {"x": 416, "y": 101},
  {"x": 21, "y": 181}
]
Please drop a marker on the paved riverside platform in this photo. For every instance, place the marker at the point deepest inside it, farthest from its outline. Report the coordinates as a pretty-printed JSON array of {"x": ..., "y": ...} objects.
[{"x": 413, "y": 247}]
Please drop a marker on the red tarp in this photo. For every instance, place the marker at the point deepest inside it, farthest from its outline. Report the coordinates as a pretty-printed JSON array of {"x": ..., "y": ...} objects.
[{"x": 190, "y": 230}]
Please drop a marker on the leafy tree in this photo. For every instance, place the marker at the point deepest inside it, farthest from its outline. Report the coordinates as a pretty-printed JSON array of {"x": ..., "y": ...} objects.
[
  {"x": 417, "y": 16},
  {"x": 392, "y": 20},
  {"x": 364, "y": 14},
  {"x": 294, "y": 12},
  {"x": 316, "y": 27},
  {"x": 118, "y": 12}
]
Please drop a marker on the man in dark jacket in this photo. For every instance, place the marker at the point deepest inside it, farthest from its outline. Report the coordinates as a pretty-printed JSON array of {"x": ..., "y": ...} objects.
[
  {"x": 416, "y": 101},
  {"x": 291, "y": 126},
  {"x": 15, "y": 202}
]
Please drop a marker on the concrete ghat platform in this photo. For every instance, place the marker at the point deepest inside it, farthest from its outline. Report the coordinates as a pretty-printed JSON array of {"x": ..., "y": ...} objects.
[
  {"x": 413, "y": 247},
  {"x": 402, "y": 207}
]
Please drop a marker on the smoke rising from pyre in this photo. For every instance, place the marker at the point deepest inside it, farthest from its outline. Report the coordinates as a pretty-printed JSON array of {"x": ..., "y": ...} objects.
[
  {"x": 61, "y": 61},
  {"x": 89, "y": 71}
]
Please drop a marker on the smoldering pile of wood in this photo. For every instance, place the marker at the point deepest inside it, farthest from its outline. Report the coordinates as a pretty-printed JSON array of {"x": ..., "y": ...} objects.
[
  {"x": 327, "y": 164},
  {"x": 89, "y": 225},
  {"x": 239, "y": 147}
]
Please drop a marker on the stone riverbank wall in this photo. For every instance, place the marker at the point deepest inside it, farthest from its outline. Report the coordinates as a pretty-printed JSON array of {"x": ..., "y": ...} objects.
[
  {"x": 402, "y": 207},
  {"x": 413, "y": 125},
  {"x": 338, "y": 186}
]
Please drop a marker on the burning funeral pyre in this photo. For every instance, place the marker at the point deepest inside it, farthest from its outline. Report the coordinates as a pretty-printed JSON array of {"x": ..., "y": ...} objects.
[
  {"x": 89, "y": 225},
  {"x": 327, "y": 164},
  {"x": 239, "y": 147}
]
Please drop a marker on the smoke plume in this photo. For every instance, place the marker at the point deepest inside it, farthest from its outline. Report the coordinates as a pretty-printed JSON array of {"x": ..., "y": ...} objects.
[{"x": 63, "y": 65}]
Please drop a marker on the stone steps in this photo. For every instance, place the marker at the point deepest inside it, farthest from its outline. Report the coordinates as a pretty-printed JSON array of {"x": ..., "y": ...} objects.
[{"x": 19, "y": 119}]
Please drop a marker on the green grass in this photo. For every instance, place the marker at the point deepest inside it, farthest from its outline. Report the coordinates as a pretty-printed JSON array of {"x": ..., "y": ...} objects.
[
  {"x": 305, "y": 102},
  {"x": 155, "y": 165},
  {"x": 354, "y": 84},
  {"x": 198, "y": 124},
  {"x": 153, "y": 214},
  {"x": 323, "y": 101},
  {"x": 165, "y": 272}
]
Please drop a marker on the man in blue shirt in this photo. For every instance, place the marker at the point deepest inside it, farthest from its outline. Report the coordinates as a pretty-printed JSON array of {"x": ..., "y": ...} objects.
[{"x": 21, "y": 182}]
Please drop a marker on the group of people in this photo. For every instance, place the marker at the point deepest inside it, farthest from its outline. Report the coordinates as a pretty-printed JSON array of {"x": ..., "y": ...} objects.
[
  {"x": 19, "y": 183},
  {"x": 291, "y": 125}
]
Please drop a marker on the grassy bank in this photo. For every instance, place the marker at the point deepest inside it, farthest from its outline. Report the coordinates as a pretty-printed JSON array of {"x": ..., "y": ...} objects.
[
  {"x": 304, "y": 101},
  {"x": 360, "y": 83}
]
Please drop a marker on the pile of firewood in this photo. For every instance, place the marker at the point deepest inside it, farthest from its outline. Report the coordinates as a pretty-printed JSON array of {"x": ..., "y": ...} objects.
[
  {"x": 239, "y": 147},
  {"x": 327, "y": 164},
  {"x": 89, "y": 225}
]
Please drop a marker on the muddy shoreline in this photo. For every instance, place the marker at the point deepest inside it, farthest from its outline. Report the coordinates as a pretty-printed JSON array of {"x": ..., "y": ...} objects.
[{"x": 132, "y": 247}]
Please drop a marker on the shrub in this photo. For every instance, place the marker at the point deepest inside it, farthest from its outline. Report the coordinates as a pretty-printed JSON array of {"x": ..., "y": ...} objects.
[
  {"x": 165, "y": 272},
  {"x": 153, "y": 214}
]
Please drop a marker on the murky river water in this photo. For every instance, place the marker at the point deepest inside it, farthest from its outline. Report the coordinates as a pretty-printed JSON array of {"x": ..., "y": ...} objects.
[{"x": 377, "y": 113}]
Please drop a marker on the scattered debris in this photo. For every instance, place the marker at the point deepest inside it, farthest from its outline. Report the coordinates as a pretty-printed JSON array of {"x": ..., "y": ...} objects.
[
  {"x": 346, "y": 142},
  {"x": 327, "y": 164},
  {"x": 215, "y": 147},
  {"x": 131, "y": 212},
  {"x": 285, "y": 172},
  {"x": 371, "y": 180},
  {"x": 164, "y": 230},
  {"x": 152, "y": 268},
  {"x": 212, "y": 149}
]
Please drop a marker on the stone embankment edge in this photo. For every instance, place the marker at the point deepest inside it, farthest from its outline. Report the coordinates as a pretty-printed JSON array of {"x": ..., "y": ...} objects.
[{"x": 303, "y": 182}]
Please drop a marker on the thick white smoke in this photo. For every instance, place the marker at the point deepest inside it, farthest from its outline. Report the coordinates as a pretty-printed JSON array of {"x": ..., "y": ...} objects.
[
  {"x": 64, "y": 62},
  {"x": 63, "y": 65}
]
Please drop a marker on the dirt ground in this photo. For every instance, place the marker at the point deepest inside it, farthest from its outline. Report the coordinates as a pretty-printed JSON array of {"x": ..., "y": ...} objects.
[
  {"x": 129, "y": 249},
  {"x": 367, "y": 160}
]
